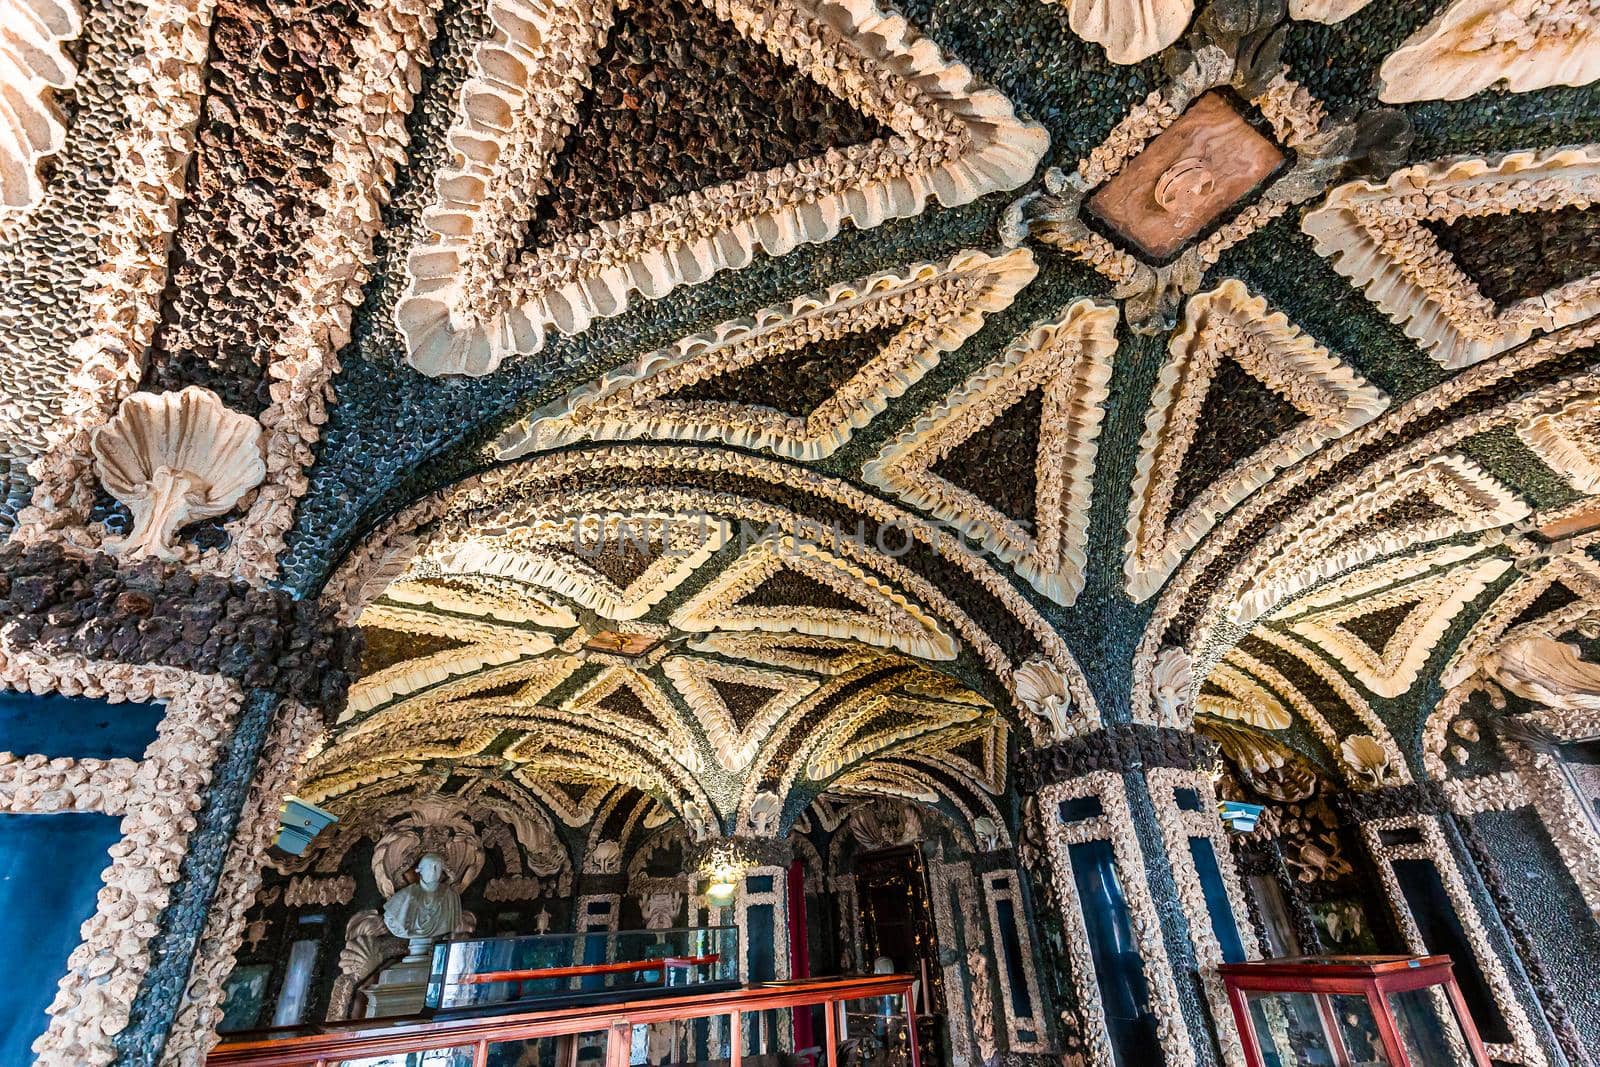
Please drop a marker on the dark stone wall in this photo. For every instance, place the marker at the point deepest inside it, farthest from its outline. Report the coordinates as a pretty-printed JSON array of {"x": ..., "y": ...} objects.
[
  {"x": 151, "y": 612},
  {"x": 1547, "y": 911}
]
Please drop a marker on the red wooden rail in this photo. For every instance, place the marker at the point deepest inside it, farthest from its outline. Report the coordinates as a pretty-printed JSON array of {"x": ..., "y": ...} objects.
[
  {"x": 355, "y": 1041},
  {"x": 585, "y": 969}
]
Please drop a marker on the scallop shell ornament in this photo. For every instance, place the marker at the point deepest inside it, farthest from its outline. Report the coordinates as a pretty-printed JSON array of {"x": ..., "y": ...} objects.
[
  {"x": 1366, "y": 758},
  {"x": 173, "y": 459}
]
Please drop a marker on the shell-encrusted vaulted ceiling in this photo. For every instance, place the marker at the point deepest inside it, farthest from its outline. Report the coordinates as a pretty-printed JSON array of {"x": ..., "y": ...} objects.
[{"x": 741, "y": 400}]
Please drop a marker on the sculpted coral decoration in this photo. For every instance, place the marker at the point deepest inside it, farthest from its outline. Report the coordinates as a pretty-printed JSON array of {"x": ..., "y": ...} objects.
[
  {"x": 1415, "y": 506},
  {"x": 736, "y": 706},
  {"x": 474, "y": 299},
  {"x": 1376, "y": 236},
  {"x": 175, "y": 458},
  {"x": 860, "y": 606},
  {"x": 1067, "y": 363},
  {"x": 1305, "y": 394},
  {"x": 1568, "y": 439},
  {"x": 1388, "y": 654},
  {"x": 32, "y": 63},
  {"x": 1474, "y": 44},
  {"x": 618, "y": 565},
  {"x": 936, "y": 307},
  {"x": 1230, "y": 693},
  {"x": 123, "y": 296}
]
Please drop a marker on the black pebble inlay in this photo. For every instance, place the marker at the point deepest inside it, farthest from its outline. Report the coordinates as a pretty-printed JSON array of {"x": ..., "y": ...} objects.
[
  {"x": 790, "y": 589},
  {"x": 1525, "y": 254},
  {"x": 793, "y": 382},
  {"x": 1240, "y": 416},
  {"x": 682, "y": 101},
  {"x": 385, "y": 647},
  {"x": 997, "y": 464},
  {"x": 1375, "y": 629},
  {"x": 742, "y": 701}
]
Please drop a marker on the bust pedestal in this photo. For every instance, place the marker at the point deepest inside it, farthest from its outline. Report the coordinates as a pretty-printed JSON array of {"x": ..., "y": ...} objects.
[
  {"x": 421, "y": 913},
  {"x": 402, "y": 987}
]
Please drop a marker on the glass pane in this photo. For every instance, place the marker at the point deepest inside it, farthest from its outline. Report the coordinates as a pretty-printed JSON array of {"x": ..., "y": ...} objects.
[
  {"x": 1118, "y": 970},
  {"x": 575, "y": 967},
  {"x": 1289, "y": 1030},
  {"x": 584, "y": 1050},
  {"x": 439, "y": 1057},
  {"x": 1435, "y": 916},
  {"x": 766, "y": 1032},
  {"x": 680, "y": 1041},
  {"x": 1011, "y": 949},
  {"x": 1580, "y": 760},
  {"x": 296, "y": 983},
  {"x": 1428, "y": 1029},
  {"x": 1282, "y": 938},
  {"x": 1358, "y": 1030},
  {"x": 873, "y": 1033}
]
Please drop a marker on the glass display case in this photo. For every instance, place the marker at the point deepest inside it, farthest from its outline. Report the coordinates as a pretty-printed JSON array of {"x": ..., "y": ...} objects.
[
  {"x": 1352, "y": 1011},
  {"x": 598, "y": 965}
]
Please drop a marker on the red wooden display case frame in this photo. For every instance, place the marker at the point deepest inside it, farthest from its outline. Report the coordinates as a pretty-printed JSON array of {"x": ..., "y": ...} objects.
[{"x": 1370, "y": 976}]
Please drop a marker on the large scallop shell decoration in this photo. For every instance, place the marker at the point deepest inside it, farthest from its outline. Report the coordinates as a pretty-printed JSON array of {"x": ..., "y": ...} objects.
[
  {"x": 1366, "y": 758},
  {"x": 173, "y": 459}
]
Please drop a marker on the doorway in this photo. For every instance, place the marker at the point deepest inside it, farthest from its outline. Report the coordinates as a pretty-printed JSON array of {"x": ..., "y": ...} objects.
[{"x": 897, "y": 925}]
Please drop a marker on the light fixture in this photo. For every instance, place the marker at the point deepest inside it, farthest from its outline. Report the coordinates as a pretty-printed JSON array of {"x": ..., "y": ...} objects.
[
  {"x": 298, "y": 823},
  {"x": 722, "y": 868},
  {"x": 1239, "y": 816},
  {"x": 721, "y": 890}
]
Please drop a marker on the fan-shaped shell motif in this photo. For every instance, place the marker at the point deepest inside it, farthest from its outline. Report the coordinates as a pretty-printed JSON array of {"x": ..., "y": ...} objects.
[
  {"x": 1366, "y": 758},
  {"x": 173, "y": 459},
  {"x": 1130, "y": 30},
  {"x": 1042, "y": 690}
]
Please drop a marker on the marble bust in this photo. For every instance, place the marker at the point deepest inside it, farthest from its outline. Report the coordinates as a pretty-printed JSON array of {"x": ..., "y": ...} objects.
[{"x": 426, "y": 910}]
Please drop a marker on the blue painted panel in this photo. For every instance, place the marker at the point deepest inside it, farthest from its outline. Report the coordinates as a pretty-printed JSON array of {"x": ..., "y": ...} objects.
[
  {"x": 1442, "y": 933},
  {"x": 760, "y": 928},
  {"x": 1223, "y": 924},
  {"x": 1118, "y": 970},
  {"x": 50, "y": 867},
  {"x": 1011, "y": 949},
  {"x": 80, "y": 727}
]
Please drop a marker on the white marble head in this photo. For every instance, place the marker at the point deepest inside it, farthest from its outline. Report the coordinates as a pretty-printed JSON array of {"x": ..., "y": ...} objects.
[{"x": 430, "y": 870}]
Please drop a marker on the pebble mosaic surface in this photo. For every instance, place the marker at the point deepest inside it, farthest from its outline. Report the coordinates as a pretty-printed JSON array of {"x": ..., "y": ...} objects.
[{"x": 680, "y": 98}]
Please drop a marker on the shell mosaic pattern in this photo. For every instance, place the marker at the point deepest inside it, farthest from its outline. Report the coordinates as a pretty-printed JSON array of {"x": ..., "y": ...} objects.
[{"x": 1322, "y": 459}]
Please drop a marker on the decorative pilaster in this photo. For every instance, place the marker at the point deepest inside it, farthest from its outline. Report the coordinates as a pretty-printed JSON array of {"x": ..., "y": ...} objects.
[
  {"x": 1015, "y": 962},
  {"x": 1127, "y": 817},
  {"x": 1442, "y": 907},
  {"x": 757, "y": 869},
  {"x": 208, "y": 663}
]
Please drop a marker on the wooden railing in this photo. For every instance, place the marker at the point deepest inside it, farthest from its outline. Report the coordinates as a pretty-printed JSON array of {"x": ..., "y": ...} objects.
[
  {"x": 353, "y": 1042},
  {"x": 535, "y": 974}
]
